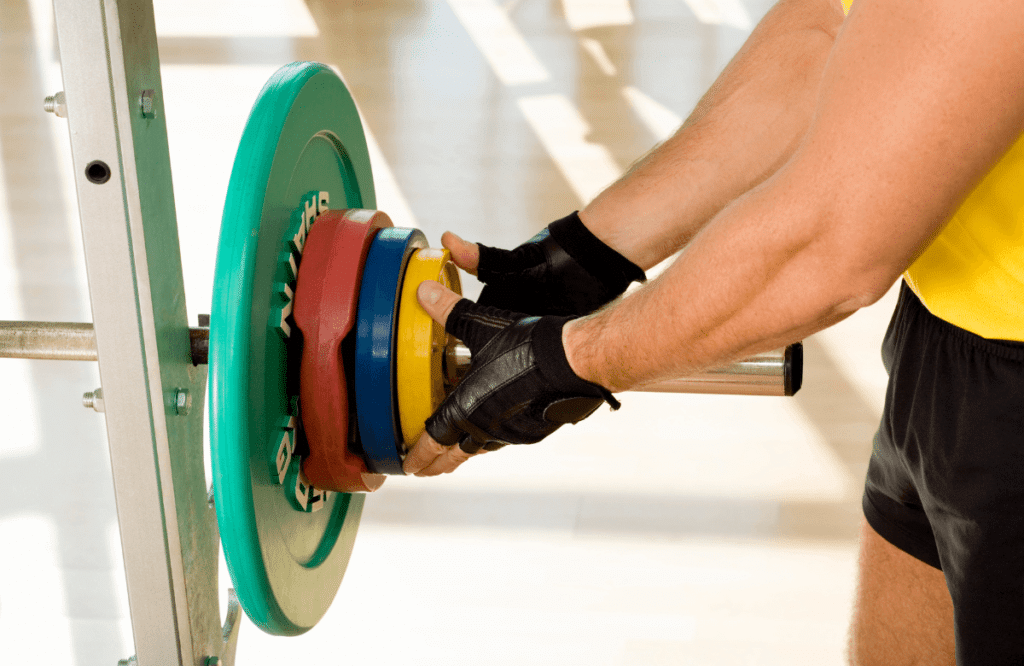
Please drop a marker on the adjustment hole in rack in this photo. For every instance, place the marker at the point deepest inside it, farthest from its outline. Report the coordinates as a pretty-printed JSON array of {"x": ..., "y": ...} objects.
[{"x": 97, "y": 172}]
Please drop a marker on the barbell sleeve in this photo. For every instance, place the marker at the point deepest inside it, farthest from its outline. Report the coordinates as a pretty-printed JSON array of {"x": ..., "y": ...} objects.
[{"x": 778, "y": 372}]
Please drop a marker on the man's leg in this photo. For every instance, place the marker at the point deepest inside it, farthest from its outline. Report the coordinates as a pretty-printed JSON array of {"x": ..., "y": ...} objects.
[{"x": 902, "y": 612}]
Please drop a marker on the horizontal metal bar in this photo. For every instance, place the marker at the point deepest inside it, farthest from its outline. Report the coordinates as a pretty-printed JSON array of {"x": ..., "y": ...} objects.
[
  {"x": 72, "y": 341},
  {"x": 777, "y": 372},
  {"x": 47, "y": 340}
]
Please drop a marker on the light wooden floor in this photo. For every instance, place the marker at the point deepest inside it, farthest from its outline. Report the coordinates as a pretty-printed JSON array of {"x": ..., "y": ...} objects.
[{"x": 727, "y": 536}]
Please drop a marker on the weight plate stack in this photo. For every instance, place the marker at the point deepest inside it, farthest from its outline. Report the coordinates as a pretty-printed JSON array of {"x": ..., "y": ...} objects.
[
  {"x": 325, "y": 311},
  {"x": 287, "y": 544}
]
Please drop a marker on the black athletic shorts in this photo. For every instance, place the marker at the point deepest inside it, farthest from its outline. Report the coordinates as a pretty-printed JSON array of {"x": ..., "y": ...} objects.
[{"x": 946, "y": 478}]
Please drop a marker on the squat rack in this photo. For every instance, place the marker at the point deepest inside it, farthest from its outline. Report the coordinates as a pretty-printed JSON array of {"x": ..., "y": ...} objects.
[{"x": 153, "y": 393}]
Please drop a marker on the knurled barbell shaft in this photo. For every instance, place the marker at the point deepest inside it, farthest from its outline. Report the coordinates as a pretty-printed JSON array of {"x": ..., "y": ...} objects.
[
  {"x": 776, "y": 372},
  {"x": 47, "y": 340},
  {"x": 71, "y": 341}
]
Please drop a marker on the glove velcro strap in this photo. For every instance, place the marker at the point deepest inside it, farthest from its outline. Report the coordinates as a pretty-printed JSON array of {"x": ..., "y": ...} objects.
[
  {"x": 551, "y": 360},
  {"x": 593, "y": 255}
]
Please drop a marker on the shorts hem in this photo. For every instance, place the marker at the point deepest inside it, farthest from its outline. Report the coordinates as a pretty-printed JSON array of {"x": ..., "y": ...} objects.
[{"x": 895, "y": 534}]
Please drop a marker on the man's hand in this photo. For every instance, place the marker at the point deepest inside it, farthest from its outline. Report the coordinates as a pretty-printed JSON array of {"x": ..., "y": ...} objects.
[
  {"x": 519, "y": 389},
  {"x": 564, "y": 270}
]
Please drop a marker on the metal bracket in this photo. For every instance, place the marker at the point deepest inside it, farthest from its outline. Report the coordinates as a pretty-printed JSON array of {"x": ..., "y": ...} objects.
[{"x": 152, "y": 391}]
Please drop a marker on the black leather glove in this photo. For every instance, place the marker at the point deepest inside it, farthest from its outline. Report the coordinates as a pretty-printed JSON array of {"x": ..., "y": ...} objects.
[
  {"x": 520, "y": 387},
  {"x": 563, "y": 270}
]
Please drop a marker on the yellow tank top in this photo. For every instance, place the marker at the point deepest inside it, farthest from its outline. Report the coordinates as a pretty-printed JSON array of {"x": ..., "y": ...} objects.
[{"x": 972, "y": 274}]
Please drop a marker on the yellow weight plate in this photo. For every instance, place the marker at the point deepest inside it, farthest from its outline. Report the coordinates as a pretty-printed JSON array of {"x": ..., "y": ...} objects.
[{"x": 421, "y": 342}]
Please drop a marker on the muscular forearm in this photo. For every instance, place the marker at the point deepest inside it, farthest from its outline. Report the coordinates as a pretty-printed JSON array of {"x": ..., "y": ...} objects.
[
  {"x": 767, "y": 272},
  {"x": 746, "y": 126}
]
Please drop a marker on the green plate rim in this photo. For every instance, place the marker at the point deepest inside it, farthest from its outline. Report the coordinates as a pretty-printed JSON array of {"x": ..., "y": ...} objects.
[{"x": 231, "y": 313}]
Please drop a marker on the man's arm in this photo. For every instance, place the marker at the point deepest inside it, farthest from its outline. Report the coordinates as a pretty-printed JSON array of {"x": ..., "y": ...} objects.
[
  {"x": 744, "y": 128},
  {"x": 918, "y": 100}
]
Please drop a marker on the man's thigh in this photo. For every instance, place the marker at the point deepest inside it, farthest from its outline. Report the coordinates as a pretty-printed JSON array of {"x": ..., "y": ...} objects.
[{"x": 903, "y": 613}]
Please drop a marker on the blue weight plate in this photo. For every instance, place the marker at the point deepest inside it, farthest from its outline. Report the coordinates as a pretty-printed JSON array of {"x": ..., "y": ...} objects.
[{"x": 376, "y": 398}]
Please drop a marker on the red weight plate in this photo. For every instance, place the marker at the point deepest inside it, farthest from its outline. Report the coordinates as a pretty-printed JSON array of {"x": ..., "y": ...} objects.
[{"x": 326, "y": 294}]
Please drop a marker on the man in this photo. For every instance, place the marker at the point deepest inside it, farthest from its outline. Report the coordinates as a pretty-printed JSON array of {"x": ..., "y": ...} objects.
[{"x": 828, "y": 159}]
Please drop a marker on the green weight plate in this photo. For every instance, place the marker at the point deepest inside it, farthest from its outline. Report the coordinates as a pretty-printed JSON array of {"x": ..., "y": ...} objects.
[{"x": 286, "y": 543}]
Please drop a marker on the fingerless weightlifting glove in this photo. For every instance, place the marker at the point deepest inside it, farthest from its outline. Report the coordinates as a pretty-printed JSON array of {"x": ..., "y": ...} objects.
[
  {"x": 520, "y": 387},
  {"x": 563, "y": 270}
]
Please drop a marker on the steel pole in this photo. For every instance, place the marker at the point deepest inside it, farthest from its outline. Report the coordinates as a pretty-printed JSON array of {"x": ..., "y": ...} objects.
[{"x": 778, "y": 372}]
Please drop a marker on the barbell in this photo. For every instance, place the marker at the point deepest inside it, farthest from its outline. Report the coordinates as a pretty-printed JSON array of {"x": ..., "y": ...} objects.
[{"x": 322, "y": 363}]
